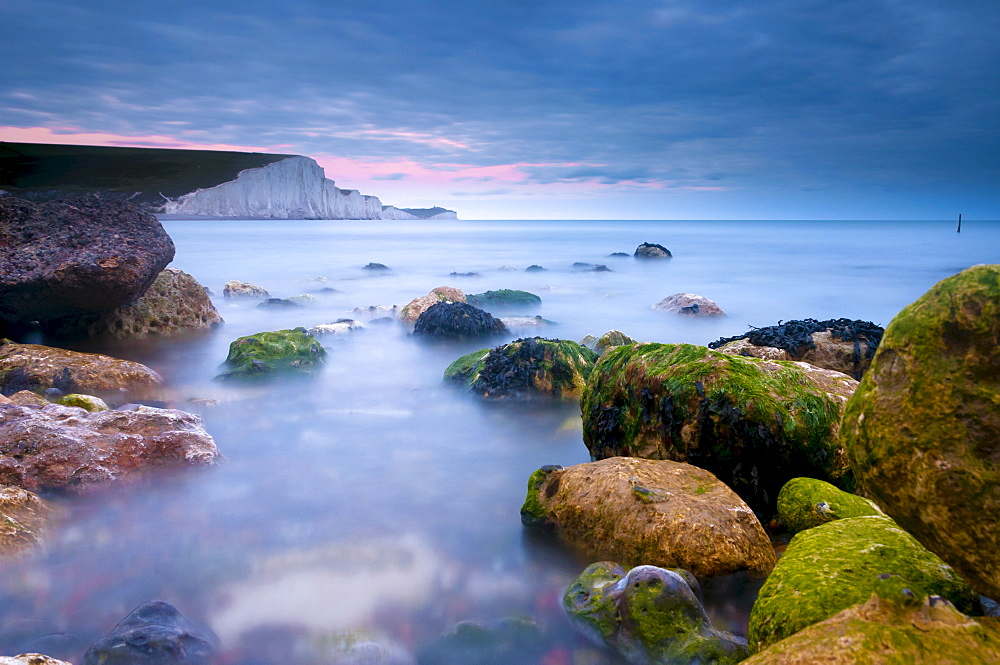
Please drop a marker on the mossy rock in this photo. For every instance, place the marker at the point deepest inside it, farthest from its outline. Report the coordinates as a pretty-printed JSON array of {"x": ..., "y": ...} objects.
[
  {"x": 806, "y": 502},
  {"x": 526, "y": 367},
  {"x": 649, "y": 615},
  {"x": 754, "y": 423},
  {"x": 503, "y": 299},
  {"x": 268, "y": 353},
  {"x": 607, "y": 341},
  {"x": 833, "y": 566},
  {"x": 88, "y": 402},
  {"x": 923, "y": 429},
  {"x": 901, "y": 628}
]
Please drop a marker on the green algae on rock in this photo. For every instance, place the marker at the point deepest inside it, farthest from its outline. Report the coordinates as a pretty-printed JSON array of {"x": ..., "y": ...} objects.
[
  {"x": 923, "y": 430},
  {"x": 88, "y": 402},
  {"x": 753, "y": 423},
  {"x": 267, "y": 353},
  {"x": 525, "y": 367},
  {"x": 639, "y": 511},
  {"x": 607, "y": 341},
  {"x": 831, "y": 567},
  {"x": 649, "y": 615},
  {"x": 806, "y": 502},
  {"x": 503, "y": 299},
  {"x": 892, "y": 627}
]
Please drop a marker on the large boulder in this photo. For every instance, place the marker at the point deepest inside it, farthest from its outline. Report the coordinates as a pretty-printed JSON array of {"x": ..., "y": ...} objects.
[
  {"x": 658, "y": 512},
  {"x": 689, "y": 304},
  {"x": 23, "y": 517},
  {"x": 80, "y": 255},
  {"x": 36, "y": 368},
  {"x": 899, "y": 626},
  {"x": 923, "y": 429},
  {"x": 806, "y": 502},
  {"x": 412, "y": 310},
  {"x": 843, "y": 345},
  {"x": 61, "y": 447},
  {"x": 649, "y": 615},
  {"x": 525, "y": 368},
  {"x": 753, "y": 423},
  {"x": 833, "y": 566},
  {"x": 457, "y": 321},
  {"x": 266, "y": 354},
  {"x": 155, "y": 633}
]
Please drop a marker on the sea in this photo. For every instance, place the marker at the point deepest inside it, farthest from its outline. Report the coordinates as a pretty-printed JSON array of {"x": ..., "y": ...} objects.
[{"x": 373, "y": 501}]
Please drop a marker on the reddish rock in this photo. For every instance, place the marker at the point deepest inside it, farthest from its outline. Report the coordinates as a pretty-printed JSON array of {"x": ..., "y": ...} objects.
[
  {"x": 60, "y": 447},
  {"x": 412, "y": 311},
  {"x": 22, "y": 518}
]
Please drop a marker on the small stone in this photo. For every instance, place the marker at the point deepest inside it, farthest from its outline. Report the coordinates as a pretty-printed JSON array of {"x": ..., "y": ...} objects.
[{"x": 234, "y": 289}]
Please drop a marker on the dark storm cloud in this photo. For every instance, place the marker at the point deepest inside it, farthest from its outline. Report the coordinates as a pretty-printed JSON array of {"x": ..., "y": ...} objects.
[{"x": 782, "y": 91}]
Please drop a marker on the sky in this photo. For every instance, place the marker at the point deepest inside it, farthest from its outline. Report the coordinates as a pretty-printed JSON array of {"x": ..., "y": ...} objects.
[{"x": 543, "y": 109}]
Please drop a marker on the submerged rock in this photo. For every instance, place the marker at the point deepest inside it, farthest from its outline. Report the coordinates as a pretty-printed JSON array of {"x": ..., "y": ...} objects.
[
  {"x": 457, "y": 321},
  {"x": 689, "y": 304},
  {"x": 61, "y": 447},
  {"x": 580, "y": 266},
  {"x": 923, "y": 429},
  {"x": 412, "y": 310},
  {"x": 270, "y": 353},
  {"x": 68, "y": 257},
  {"x": 377, "y": 267},
  {"x": 648, "y": 250},
  {"x": 514, "y": 640},
  {"x": 503, "y": 299},
  {"x": 649, "y": 615},
  {"x": 640, "y": 511},
  {"x": 338, "y": 327},
  {"x": 755, "y": 424},
  {"x": 23, "y": 517},
  {"x": 278, "y": 303},
  {"x": 806, "y": 502},
  {"x": 831, "y": 567},
  {"x": 235, "y": 289},
  {"x": 524, "y": 368},
  {"x": 155, "y": 633}
]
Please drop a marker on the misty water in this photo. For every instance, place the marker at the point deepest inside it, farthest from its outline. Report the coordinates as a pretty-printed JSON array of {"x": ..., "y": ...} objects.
[{"x": 372, "y": 498}]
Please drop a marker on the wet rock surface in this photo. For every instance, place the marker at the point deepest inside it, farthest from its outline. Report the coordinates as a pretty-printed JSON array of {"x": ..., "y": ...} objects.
[
  {"x": 657, "y": 512},
  {"x": 755, "y": 424},
  {"x": 273, "y": 352},
  {"x": 59, "y": 447},
  {"x": 689, "y": 304},
  {"x": 649, "y": 615},
  {"x": 155, "y": 633},
  {"x": 413, "y": 309},
  {"x": 79, "y": 255},
  {"x": 923, "y": 430},
  {"x": 457, "y": 321}
]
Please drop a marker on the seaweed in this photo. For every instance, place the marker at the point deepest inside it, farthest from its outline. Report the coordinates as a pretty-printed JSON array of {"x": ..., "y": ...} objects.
[{"x": 796, "y": 336}]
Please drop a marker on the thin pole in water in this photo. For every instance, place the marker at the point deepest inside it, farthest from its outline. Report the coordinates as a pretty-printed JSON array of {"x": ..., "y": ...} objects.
[{"x": 959, "y": 230}]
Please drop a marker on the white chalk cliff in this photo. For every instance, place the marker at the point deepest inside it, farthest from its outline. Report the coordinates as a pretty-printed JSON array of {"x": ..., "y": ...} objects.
[{"x": 292, "y": 188}]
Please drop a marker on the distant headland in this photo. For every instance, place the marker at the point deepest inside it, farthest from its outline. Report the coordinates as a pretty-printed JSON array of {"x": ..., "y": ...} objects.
[{"x": 192, "y": 183}]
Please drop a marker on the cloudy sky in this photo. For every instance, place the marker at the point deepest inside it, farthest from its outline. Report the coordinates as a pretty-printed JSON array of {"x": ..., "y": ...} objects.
[{"x": 638, "y": 109}]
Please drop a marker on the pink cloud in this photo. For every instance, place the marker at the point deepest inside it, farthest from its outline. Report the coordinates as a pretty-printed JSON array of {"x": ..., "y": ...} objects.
[{"x": 73, "y": 136}]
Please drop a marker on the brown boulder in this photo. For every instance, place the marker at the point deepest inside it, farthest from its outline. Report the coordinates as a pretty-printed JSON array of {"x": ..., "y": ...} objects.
[
  {"x": 656, "y": 512},
  {"x": 22, "y": 518},
  {"x": 63, "y": 447},
  {"x": 63, "y": 258},
  {"x": 412, "y": 311},
  {"x": 828, "y": 352}
]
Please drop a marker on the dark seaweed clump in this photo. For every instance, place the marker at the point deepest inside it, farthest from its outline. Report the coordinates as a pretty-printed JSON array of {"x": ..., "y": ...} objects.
[{"x": 796, "y": 336}]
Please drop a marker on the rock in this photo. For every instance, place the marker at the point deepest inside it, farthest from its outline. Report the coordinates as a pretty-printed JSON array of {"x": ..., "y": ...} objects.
[
  {"x": 901, "y": 629},
  {"x": 806, "y": 502},
  {"x": 525, "y": 322},
  {"x": 31, "y": 659},
  {"x": 304, "y": 299},
  {"x": 648, "y": 250},
  {"x": 87, "y": 402},
  {"x": 412, "y": 310},
  {"x": 649, "y": 615},
  {"x": 377, "y": 312},
  {"x": 377, "y": 267},
  {"x": 689, "y": 304},
  {"x": 503, "y": 299},
  {"x": 607, "y": 341},
  {"x": 535, "y": 268},
  {"x": 36, "y": 368},
  {"x": 61, "y": 447},
  {"x": 843, "y": 345},
  {"x": 457, "y": 321},
  {"x": 155, "y": 633},
  {"x": 27, "y": 398},
  {"x": 67, "y": 257},
  {"x": 524, "y": 368},
  {"x": 657, "y": 512},
  {"x": 23, "y": 517},
  {"x": 514, "y": 640},
  {"x": 619, "y": 255},
  {"x": 354, "y": 650},
  {"x": 338, "y": 327},
  {"x": 270, "y": 353},
  {"x": 175, "y": 302},
  {"x": 234, "y": 289},
  {"x": 923, "y": 430},
  {"x": 278, "y": 303},
  {"x": 754, "y": 423},
  {"x": 580, "y": 266},
  {"x": 831, "y": 567}
]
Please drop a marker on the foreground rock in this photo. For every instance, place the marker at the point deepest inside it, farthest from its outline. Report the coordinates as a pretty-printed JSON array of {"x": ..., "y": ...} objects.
[
  {"x": 923, "y": 430},
  {"x": 79, "y": 255},
  {"x": 843, "y": 345},
  {"x": 525, "y": 368},
  {"x": 503, "y": 299},
  {"x": 640, "y": 511},
  {"x": 412, "y": 310},
  {"x": 898, "y": 626},
  {"x": 689, "y": 304},
  {"x": 833, "y": 566},
  {"x": 649, "y": 250},
  {"x": 271, "y": 353},
  {"x": 23, "y": 517},
  {"x": 755, "y": 424},
  {"x": 60, "y": 447},
  {"x": 38, "y": 368},
  {"x": 806, "y": 502},
  {"x": 155, "y": 633},
  {"x": 649, "y": 615},
  {"x": 457, "y": 321}
]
